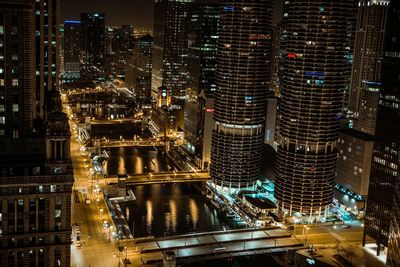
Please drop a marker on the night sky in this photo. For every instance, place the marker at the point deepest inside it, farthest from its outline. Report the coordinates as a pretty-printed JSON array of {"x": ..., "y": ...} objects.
[{"x": 119, "y": 12}]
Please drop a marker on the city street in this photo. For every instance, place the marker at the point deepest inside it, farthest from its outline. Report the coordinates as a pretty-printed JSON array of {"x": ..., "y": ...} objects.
[{"x": 97, "y": 247}]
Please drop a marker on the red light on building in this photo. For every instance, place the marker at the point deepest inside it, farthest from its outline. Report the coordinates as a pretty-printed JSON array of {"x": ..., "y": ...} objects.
[
  {"x": 292, "y": 55},
  {"x": 210, "y": 110}
]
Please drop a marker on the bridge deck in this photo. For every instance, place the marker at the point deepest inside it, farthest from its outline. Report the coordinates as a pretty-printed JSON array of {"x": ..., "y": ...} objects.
[
  {"x": 159, "y": 178},
  {"x": 222, "y": 244}
]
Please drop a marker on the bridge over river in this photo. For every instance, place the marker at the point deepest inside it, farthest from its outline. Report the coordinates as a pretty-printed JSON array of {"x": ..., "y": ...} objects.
[{"x": 213, "y": 245}]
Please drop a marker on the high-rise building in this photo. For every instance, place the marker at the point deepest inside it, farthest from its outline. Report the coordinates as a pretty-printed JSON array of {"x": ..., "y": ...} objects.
[
  {"x": 35, "y": 169},
  {"x": 120, "y": 42},
  {"x": 202, "y": 31},
  {"x": 170, "y": 47},
  {"x": 353, "y": 171},
  {"x": 242, "y": 78},
  {"x": 382, "y": 214},
  {"x": 391, "y": 79},
  {"x": 310, "y": 105},
  {"x": 275, "y": 58},
  {"x": 93, "y": 38},
  {"x": 72, "y": 49},
  {"x": 365, "y": 41},
  {"x": 46, "y": 16},
  {"x": 138, "y": 70},
  {"x": 384, "y": 178},
  {"x": 367, "y": 63}
]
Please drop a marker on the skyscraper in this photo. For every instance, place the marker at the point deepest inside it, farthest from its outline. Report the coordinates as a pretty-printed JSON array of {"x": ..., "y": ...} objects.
[
  {"x": 93, "y": 37},
  {"x": 138, "y": 70},
  {"x": 310, "y": 104},
  {"x": 382, "y": 215},
  {"x": 242, "y": 78},
  {"x": 391, "y": 79},
  {"x": 367, "y": 63},
  {"x": 35, "y": 169},
  {"x": 120, "y": 42},
  {"x": 72, "y": 49},
  {"x": 382, "y": 205},
  {"x": 202, "y": 53},
  {"x": 46, "y": 16},
  {"x": 170, "y": 47}
]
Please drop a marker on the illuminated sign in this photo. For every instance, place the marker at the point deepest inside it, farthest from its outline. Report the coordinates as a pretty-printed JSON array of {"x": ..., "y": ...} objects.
[
  {"x": 209, "y": 110},
  {"x": 315, "y": 73},
  {"x": 371, "y": 82},
  {"x": 72, "y": 22},
  {"x": 230, "y": 8},
  {"x": 292, "y": 55}
]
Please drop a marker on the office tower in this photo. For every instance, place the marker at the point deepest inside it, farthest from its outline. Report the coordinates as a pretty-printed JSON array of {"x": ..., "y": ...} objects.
[
  {"x": 46, "y": 16},
  {"x": 355, "y": 145},
  {"x": 282, "y": 44},
  {"x": 170, "y": 47},
  {"x": 61, "y": 47},
  {"x": 351, "y": 20},
  {"x": 35, "y": 199},
  {"x": 202, "y": 30},
  {"x": 72, "y": 49},
  {"x": 384, "y": 178},
  {"x": 242, "y": 78},
  {"x": 353, "y": 171},
  {"x": 310, "y": 104},
  {"x": 382, "y": 214},
  {"x": 138, "y": 70},
  {"x": 93, "y": 45},
  {"x": 391, "y": 79},
  {"x": 120, "y": 42},
  {"x": 367, "y": 63}
]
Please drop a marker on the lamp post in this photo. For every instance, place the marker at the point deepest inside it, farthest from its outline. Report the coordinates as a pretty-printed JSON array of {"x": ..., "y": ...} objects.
[{"x": 305, "y": 228}]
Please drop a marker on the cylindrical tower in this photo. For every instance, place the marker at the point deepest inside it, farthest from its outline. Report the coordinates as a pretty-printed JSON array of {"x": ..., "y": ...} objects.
[
  {"x": 310, "y": 104},
  {"x": 240, "y": 100}
]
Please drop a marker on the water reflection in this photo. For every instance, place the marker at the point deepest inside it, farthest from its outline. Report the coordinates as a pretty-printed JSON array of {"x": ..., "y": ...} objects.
[
  {"x": 149, "y": 216},
  {"x": 171, "y": 209},
  {"x": 132, "y": 160}
]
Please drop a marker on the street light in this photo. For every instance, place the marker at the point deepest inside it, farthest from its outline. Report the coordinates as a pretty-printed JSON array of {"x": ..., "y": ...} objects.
[{"x": 305, "y": 228}]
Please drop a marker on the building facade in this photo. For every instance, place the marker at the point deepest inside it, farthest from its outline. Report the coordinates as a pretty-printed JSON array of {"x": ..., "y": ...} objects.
[
  {"x": 93, "y": 38},
  {"x": 138, "y": 70},
  {"x": 72, "y": 49},
  {"x": 170, "y": 47},
  {"x": 367, "y": 63},
  {"x": 353, "y": 171},
  {"x": 120, "y": 43},
  {"x": 382, "y": 214},
  {"x": 202, "y": 31},
  {"x": 310, "y": 105},
  {"x": 46, "y": 21},
  {"x": 35, "y": 169},
  {"x": 242, "y": 78}
]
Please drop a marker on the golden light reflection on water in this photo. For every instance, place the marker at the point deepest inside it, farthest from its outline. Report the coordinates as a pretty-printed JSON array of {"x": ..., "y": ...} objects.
[
  {"x": 173, "y": 216},
  {"x": 137, "y": 163},
  {"x": 149, "y": 215},
  {"x": 194, "y": 212},
  {"x": 121, "y": 161}
]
